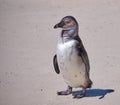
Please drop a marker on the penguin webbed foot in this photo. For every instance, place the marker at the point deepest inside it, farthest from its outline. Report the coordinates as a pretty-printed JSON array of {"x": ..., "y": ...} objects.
[
  {"x": 63, "y": 93},
  {"x": 81, "y": 95},
  {"x": 66, "y": 92}
]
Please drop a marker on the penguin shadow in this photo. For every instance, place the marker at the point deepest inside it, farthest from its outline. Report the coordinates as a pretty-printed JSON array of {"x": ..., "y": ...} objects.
[{"x": 101, "y": 93}]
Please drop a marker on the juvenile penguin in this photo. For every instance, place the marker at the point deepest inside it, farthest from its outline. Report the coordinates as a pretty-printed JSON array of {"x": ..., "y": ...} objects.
[{"x": 71, "y": 59}]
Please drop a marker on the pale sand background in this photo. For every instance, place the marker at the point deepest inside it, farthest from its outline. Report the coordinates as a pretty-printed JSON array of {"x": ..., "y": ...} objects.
[{"x": 28, "y": 43}]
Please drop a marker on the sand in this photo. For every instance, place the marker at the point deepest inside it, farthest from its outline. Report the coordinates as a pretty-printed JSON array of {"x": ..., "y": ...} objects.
[{"x": 28, "y": 44}]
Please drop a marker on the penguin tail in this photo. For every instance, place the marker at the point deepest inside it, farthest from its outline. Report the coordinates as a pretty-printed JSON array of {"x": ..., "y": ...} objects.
[{"x": 90, "y": 84}]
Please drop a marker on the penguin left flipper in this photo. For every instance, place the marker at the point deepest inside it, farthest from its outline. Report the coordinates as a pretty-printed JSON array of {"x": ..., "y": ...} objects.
[
  {"x": 82, "y": 52},
  {"x": 55, "y": 63}
]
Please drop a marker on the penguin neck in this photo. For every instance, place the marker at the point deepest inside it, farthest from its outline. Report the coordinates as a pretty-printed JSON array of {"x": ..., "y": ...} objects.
[{"x": 69, "y": 34}]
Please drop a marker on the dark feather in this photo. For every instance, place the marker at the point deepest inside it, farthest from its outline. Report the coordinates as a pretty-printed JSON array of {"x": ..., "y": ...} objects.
[
  {"x": 82, "y": 52},
  {"x": 55, "y": 63}
]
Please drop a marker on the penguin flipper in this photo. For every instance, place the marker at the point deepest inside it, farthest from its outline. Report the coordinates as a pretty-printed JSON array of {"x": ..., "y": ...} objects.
[
  {"x": 82, "y": 52},
  {"x": 55, "y": 63},
  {"x": 85, "y": 58}
]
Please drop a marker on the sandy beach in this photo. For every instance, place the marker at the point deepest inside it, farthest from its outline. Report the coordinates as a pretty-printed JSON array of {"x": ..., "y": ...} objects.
[{"x": 28, "y": 43}]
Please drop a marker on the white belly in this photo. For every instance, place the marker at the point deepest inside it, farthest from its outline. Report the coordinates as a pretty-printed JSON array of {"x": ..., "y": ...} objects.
[{"x": 71, "y": 65}]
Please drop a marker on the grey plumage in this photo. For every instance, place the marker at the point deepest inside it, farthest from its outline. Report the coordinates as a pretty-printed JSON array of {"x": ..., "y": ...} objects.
[{"x": 71, "y": 59}]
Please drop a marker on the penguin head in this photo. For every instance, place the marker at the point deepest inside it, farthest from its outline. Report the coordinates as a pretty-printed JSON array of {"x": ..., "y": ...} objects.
[{"x": 66, "y": 23}]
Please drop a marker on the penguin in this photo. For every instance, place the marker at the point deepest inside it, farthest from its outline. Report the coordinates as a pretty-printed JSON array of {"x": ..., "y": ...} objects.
[{"x": 71, "y": 59}]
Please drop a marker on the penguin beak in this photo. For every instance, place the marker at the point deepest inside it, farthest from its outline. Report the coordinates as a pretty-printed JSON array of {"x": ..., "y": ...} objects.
[{"x": 59, "y": 25}]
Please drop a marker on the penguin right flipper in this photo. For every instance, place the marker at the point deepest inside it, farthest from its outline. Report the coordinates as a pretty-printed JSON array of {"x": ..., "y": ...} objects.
[{"x": 55, "y": 63}]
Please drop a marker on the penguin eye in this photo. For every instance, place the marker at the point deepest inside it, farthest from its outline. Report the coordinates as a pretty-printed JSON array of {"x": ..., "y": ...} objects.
[{"x": 67, "y": 21}]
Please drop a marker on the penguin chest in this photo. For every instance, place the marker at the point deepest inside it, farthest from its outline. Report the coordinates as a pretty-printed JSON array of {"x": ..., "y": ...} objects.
[{"x": 70, "y": 63}]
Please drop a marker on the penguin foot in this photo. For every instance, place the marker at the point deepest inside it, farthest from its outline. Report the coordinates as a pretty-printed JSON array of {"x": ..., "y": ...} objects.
[
  {"x": 67, "y": 92},
  {"x": 64, "y": 93},
  {"x": 83, "y": 94},
  {"x": 78, "y": 96}
]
